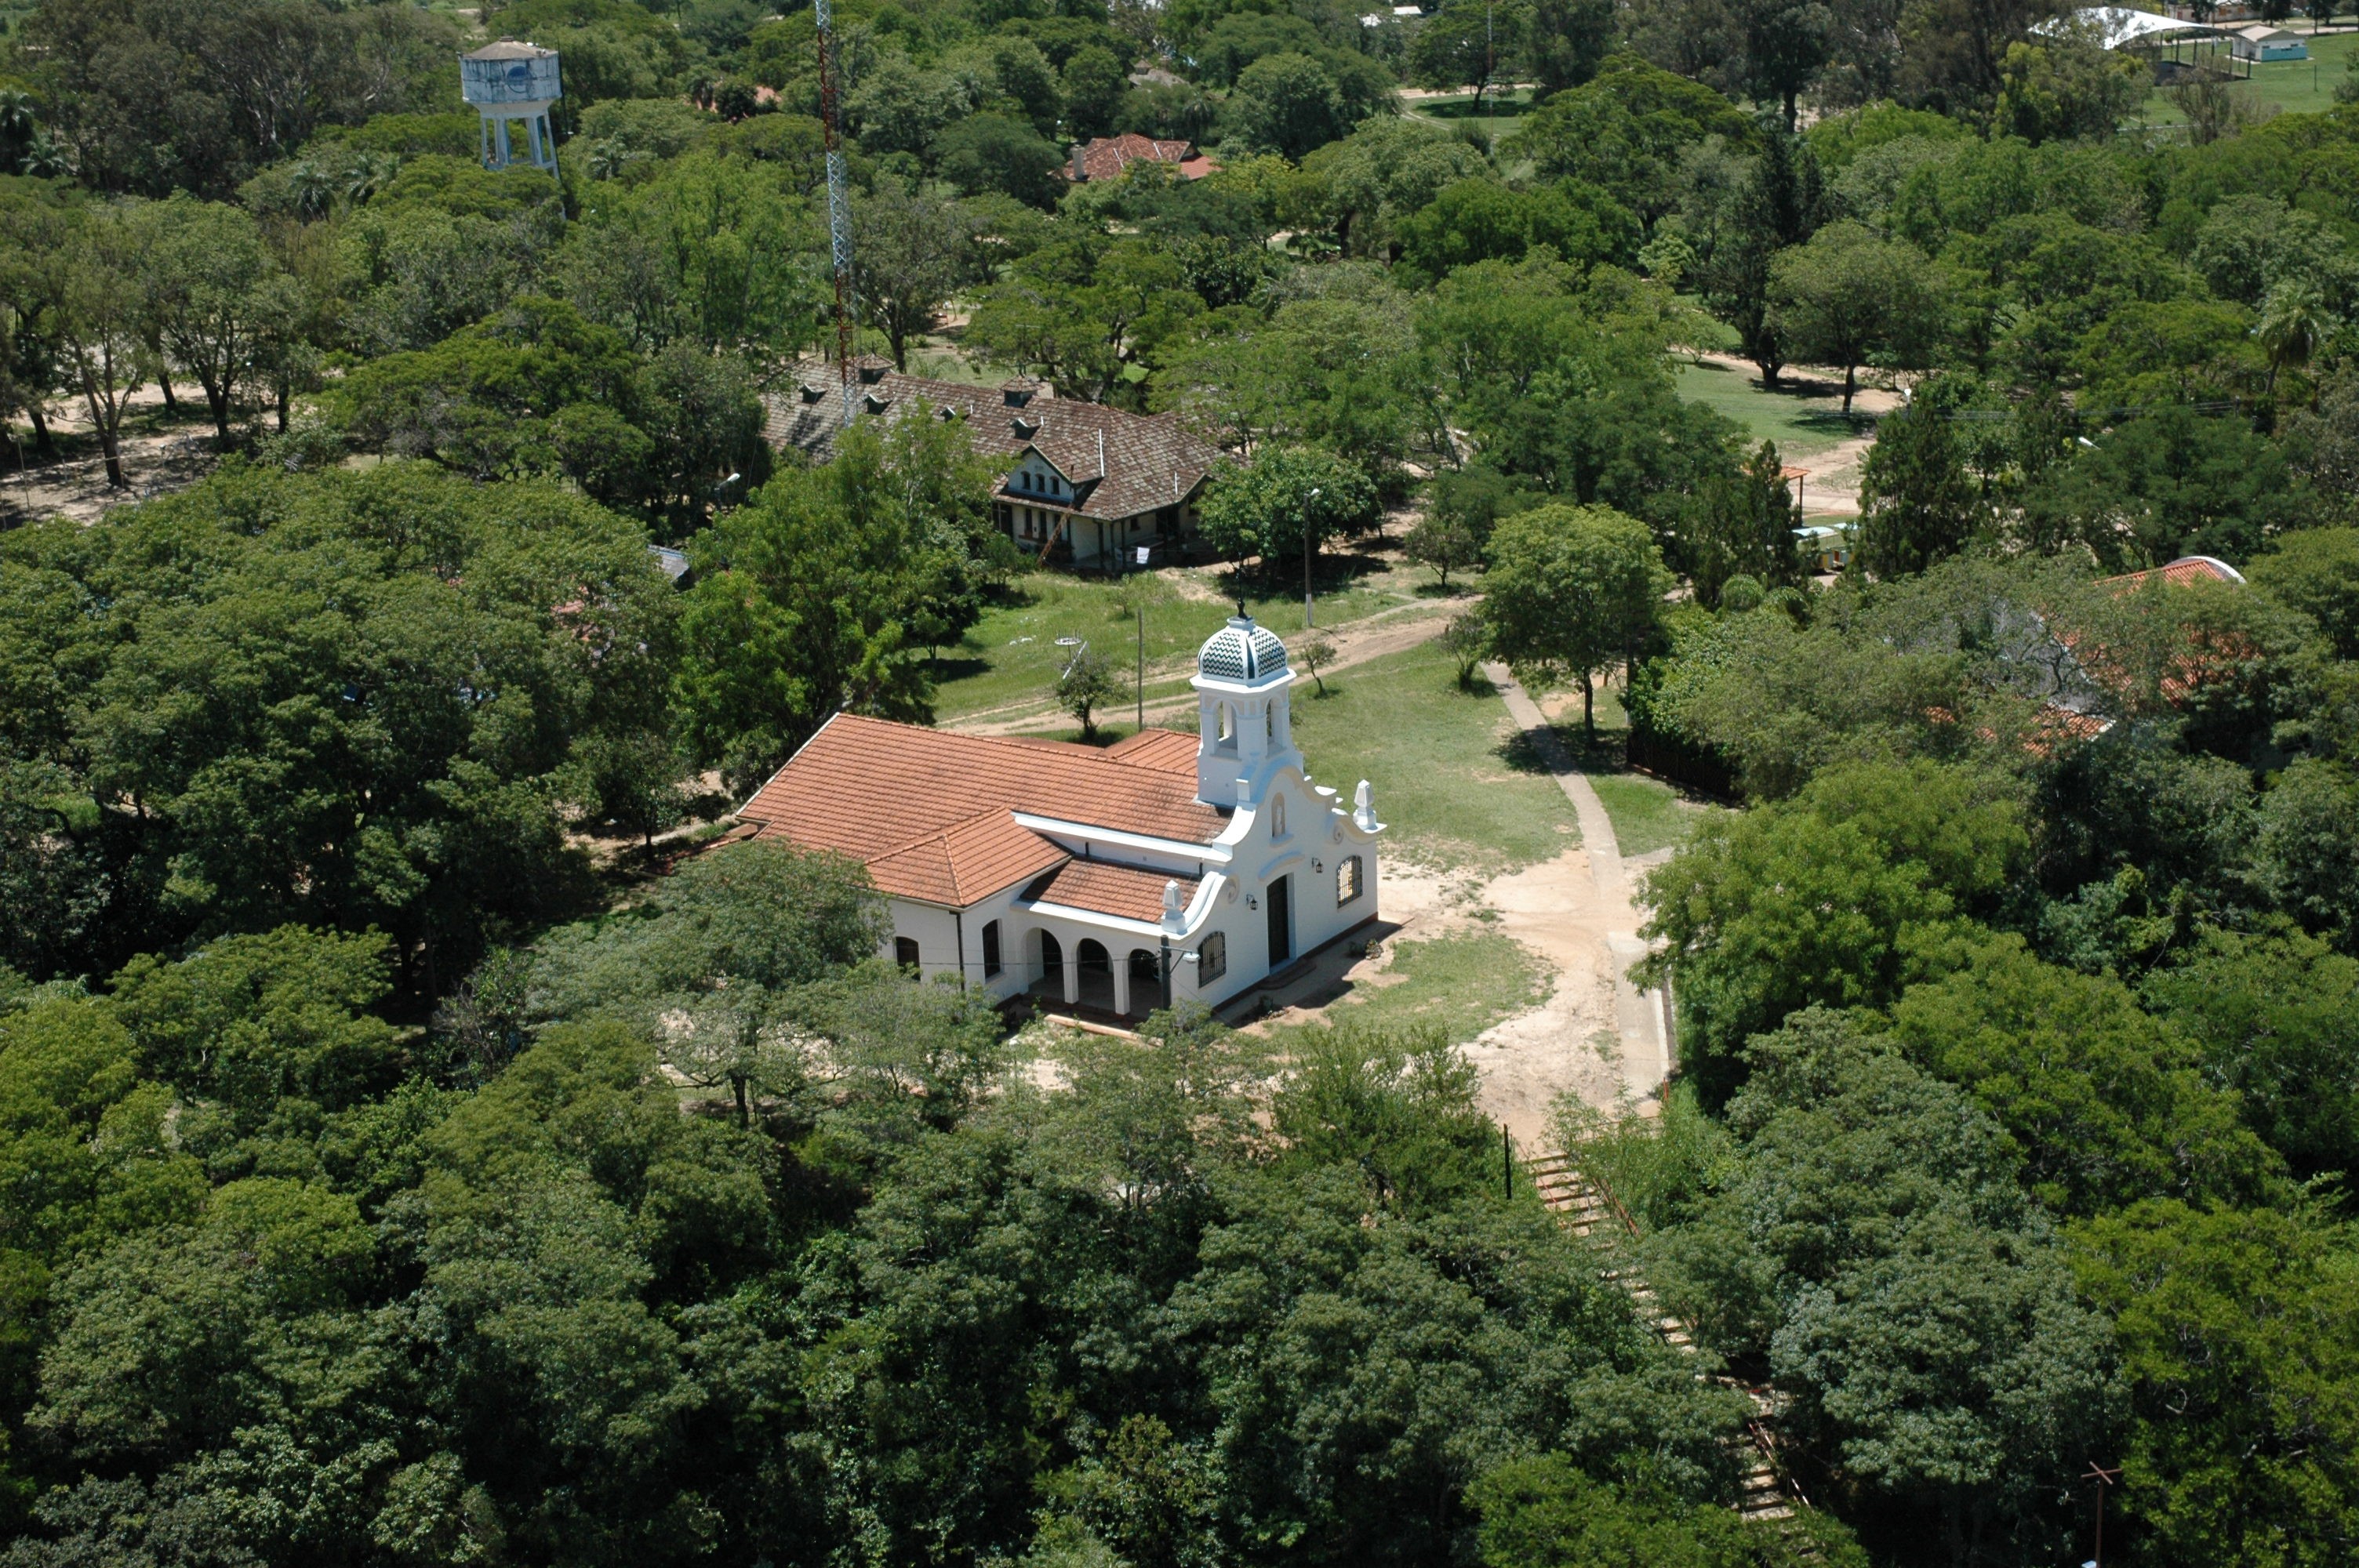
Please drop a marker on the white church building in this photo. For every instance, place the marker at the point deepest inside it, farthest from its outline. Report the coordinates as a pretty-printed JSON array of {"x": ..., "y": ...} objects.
[{"x": 1115, "y": 880}]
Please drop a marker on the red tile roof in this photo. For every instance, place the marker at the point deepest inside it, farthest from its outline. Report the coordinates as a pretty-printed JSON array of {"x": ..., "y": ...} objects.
[
  {"x": 1125, "y": 890},
  {"x": 1166, "y": 749},
  {"x": 2178, "y": 574},
  {"x": 1120, "y": 464},
  {"x": 931, "y": 813},
  {"x": 2211, "y": 658},
  {"x": 1108, "y": 157}
]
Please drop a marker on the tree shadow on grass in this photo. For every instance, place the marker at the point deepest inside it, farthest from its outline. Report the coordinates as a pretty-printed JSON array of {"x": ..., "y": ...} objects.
[
  {"x": 1332, "y": 571},
  {"x": 946, "y": 671},
  {"x": 1607, "y": 752}
]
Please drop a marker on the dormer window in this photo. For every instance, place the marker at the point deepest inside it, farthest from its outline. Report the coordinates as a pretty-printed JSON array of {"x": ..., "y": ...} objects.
[
  {"x": 812, "y": 394},
  {"x": 1024, "y": 429}
]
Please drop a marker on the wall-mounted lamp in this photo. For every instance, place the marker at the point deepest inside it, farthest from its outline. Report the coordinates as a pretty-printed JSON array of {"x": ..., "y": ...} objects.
[
  {"x": 1318, "y": 865},
  {"x": 1253, "y": 901}
]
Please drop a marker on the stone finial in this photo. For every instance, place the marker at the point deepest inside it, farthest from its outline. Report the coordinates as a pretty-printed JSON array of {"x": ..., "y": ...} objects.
[
  {"x": 1172, "y": 910},
  {"x": 1364, "y": 807}
]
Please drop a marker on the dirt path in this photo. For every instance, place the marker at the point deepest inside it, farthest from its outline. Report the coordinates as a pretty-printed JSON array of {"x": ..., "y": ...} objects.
[
  {"x": 1597, "y": 1035},
  {"x": 1358, "y": 642}
]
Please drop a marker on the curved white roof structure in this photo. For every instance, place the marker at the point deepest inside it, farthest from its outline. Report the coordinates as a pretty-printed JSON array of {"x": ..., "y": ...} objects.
[{"x": 2118, "y": 25}]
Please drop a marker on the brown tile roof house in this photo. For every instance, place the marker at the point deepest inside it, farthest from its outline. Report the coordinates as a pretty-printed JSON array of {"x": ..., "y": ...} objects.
[
  {"x": 1088, "y": 485},
  {"x": 931, "y": 813},
  {"x": 1110, "y": 158}
]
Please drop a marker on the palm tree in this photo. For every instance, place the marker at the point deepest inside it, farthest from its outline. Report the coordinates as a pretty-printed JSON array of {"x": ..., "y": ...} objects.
[
  {"x": 18, "y": 120},
  {"x": 2295, "y": 318},
  {"x": 313, "y": 191},
  {"x": 369, "y": 176},
  {"x": 45, "y": 158}
]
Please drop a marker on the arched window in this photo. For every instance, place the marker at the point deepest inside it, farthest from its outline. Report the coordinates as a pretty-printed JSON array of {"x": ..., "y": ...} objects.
[
  {"x": 1278, "y": 816},
  {"x": 1347, "y": 881},
  {"x": 1228, "y": 730},
  {"x": 905, "y": 952},
  {"x": 1212, "y": 958},
  {"x": 990, "y": 948}
]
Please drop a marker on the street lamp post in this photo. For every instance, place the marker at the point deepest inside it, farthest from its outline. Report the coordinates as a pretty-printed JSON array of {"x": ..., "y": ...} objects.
[{"x": 1306, "y": 621}]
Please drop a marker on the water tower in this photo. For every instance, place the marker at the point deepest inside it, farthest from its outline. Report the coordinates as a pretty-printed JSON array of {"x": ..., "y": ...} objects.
[{"x": 512, "y": 86}]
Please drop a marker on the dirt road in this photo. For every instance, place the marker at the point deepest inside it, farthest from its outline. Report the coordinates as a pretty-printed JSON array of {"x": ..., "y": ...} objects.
[
  {"x": 1832, "y": 487},
  {"x": 1594, "y": 1036},
  {"x": 1356, "y": 642}
]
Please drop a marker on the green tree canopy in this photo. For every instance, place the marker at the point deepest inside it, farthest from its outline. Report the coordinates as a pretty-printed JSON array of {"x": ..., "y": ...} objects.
[
  {"x": 2234, "y": 1329},
  {"x": 1848, "y": 295},
  {"x": 1838, "y": 898},
  {"x": 1287, "y": 500},
  {"x": 1481, "y": 219},
  {"x": 828, "y": 589},
  {"x": 1918, "y": 505},
  {"x": 1571, "y": 590},
  {"x": 342, "y": 699},
  {"x": 1869, "y": 1244}
]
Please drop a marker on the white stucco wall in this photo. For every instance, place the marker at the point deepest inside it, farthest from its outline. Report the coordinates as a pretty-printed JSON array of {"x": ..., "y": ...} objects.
[{"x": 1231, "y": 896}]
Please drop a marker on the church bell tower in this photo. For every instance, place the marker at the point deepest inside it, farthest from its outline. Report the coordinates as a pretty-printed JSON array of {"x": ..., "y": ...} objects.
[{"x": 1247, "y": 731}]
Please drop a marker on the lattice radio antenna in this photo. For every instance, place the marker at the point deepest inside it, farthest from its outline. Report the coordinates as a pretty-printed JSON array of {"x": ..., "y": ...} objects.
[{"x": 839, "y": 204}]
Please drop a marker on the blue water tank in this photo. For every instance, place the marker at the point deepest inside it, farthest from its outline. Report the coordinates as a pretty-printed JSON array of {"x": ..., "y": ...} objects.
[{"x": 508, "y": 72}]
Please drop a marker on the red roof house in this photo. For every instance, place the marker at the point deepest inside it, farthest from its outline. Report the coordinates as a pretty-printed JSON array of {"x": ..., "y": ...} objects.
[{"x": 1110, "y": 158}]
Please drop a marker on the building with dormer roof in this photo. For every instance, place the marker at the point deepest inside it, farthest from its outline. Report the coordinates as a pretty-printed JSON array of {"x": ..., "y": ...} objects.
[
  {"x": 1088, "y": 486},
  {"x": 1117, "y": 880}
]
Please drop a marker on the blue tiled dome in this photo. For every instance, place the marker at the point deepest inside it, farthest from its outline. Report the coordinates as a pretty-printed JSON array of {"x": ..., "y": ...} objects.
[{"x": 1241, "y": 651}]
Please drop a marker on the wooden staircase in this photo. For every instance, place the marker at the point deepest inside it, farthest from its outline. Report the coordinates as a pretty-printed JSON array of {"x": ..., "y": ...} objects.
[{"x": 1588, "y": 1209}]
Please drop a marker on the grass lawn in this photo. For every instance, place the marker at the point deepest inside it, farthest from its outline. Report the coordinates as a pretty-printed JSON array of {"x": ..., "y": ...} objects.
[
  {"x": 1011, "y": 658},
  {"x": 1453, "y": 779},
  {"x": 1500, "y": 114},
  {"x": 1802, "y": 418},
  {"x": 1648, "y": 814},
  {"x": 1463, "y": 983},
  {"x": 2295, "y": 86}
]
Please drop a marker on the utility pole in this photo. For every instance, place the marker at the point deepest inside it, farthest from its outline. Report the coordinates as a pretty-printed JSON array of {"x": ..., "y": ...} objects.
[
  {"x": 2104, "y": 1478},
  {"x": 1490, "y": 68},
  {"x": 1138, "y": 687},
  {"x": 839, "y": 202}
]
